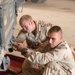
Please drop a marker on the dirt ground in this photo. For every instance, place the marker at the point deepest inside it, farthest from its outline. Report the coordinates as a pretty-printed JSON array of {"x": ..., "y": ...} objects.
[{"x": 58, "y": 12}]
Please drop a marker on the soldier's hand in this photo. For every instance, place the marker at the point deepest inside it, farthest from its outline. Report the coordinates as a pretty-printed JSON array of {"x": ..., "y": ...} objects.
[{"x": 20, "y": 46}]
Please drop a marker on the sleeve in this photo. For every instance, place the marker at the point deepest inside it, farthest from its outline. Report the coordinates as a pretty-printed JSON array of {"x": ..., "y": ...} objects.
[
  {"x": 46, "y": 25},
  {"x": 21, "y": 37},
  {"x": 44, "y": 58},
  {"x": 37, "y": 57}
]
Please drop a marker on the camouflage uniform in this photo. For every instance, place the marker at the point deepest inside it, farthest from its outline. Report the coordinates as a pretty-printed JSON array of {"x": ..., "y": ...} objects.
[
  {"x": 41, "y": 35},
  {"x": 57, "y": 61}
]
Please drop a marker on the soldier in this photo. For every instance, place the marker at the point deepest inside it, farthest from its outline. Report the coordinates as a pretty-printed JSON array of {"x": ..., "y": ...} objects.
[
  {"x": 34, "y": 36},
  {"x": 58, "y": 60}
]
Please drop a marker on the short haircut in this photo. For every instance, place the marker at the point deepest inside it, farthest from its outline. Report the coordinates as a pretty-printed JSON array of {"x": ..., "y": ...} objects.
[
  {"x": 55, "y": 29},
  {"x": 25, "y": 17}
]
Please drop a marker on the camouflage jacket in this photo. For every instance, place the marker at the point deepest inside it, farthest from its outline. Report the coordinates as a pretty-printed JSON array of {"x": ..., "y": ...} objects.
[
  {"x": 58, "y": 61},
  {"x": 41, "y": 33}
]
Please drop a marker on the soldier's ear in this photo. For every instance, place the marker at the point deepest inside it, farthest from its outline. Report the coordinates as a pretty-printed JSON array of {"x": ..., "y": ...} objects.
[
  {"x": 61, "y": 37},
  {"x": 30, "y": 22}
]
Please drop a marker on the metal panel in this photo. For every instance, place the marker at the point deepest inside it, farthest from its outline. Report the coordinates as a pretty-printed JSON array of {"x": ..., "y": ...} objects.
[{"x": 7, "y": 22}]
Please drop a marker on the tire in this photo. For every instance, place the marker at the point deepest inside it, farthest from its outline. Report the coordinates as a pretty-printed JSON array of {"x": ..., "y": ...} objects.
[{"x": 38, "y": 1}]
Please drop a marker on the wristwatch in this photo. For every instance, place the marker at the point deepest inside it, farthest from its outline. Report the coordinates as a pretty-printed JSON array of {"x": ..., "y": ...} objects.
[{"x": 24, "y": 52}]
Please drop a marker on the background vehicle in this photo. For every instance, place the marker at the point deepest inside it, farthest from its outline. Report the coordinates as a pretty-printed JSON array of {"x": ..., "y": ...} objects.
[{"x": 38, "y": 1}]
